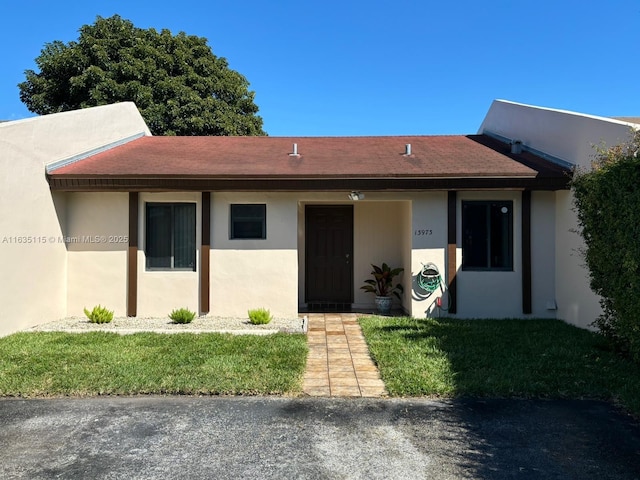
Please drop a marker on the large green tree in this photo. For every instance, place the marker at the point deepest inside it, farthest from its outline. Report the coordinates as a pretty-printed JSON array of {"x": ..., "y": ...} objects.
[{"x": 178, "y": 84}]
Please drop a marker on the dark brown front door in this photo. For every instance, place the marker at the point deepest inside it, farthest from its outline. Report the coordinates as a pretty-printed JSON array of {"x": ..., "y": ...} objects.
[{"x": 329, "y": 254}]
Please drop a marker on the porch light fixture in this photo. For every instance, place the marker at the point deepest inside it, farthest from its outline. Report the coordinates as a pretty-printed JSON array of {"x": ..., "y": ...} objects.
[{"x": 355, "y": 196}]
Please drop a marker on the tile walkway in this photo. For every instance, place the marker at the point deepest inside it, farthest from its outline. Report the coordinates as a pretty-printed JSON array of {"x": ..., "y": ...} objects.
[{"x": 339, "y": 364}]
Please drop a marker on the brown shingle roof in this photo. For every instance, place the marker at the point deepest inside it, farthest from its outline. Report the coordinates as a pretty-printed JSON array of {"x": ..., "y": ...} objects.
[{"x": 268, "y": 158}]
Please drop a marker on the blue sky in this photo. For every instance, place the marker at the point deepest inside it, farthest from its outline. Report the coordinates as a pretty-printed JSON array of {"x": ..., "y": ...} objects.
[{"x": 349, "y": 67}]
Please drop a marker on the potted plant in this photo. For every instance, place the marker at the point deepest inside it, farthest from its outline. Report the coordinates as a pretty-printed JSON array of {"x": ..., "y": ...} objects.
[{"x": 383, "y": 287}]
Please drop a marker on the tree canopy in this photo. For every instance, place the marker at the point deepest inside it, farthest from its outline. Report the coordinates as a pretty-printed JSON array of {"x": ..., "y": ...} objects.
[{"x": 178, "y": 84}]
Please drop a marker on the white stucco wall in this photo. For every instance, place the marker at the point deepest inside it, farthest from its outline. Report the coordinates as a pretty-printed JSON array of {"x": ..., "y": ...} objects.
[
  {"x": 34, "y": 284},
  {"x": 255, "y": 273},
  {"x": 571, "y": 137},
  {"x": 567, "y": 135}
]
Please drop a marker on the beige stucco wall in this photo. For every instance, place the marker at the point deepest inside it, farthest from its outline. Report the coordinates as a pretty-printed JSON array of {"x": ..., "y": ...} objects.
[
  {"x": 255, "y": 273},
  {"x": 406, "y": 239},
  {"x": 577, "y": 304},
  {"x": 380, "y": 235},
  {"x": 490, "y": 294},
  {"x": 428, "y": 232},
  {"x": 160, "y": 292},
  {"x": 97, "y": 240},
  {"x": 34, "y": 284},
  {"x": 569, "y": 136},
  {"x": 543, "y": 255},
  {"x": 377, "y": 238}
]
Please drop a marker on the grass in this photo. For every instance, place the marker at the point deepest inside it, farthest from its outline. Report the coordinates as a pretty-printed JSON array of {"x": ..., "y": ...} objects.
[
  {"x": 499, "y": 358},
  {"x": 101, "y": 363}
]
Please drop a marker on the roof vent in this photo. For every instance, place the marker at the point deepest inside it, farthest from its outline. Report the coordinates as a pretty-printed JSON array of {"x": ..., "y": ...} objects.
[
  {"x": 407, "y": 149},
  {"x": 516, "y": 146},
  {"x": 295, "y": 151}
]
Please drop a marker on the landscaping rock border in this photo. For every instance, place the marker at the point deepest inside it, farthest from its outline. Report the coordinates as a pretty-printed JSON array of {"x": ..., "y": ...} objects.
[{"x": 206, "y": 324}]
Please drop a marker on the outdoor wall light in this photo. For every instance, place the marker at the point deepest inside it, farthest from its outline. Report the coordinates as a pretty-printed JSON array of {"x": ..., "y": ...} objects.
[{"x": 355, "y": 196}]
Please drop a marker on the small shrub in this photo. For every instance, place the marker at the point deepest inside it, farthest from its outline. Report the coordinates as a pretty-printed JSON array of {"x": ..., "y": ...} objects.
[
  {"x": 259, "y": 316},
  {"x": 99, "y": 314},
  {"x": 182, "y": 315}
]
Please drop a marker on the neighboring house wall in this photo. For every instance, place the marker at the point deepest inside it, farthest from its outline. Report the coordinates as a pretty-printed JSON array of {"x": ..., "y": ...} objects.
[
  {"x": 34, "y": 288},
  {"x": 570, "y": 137}
]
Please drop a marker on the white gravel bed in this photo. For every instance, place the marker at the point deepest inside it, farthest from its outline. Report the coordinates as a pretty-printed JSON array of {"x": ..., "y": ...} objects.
[{"x": 125, "y": 325}]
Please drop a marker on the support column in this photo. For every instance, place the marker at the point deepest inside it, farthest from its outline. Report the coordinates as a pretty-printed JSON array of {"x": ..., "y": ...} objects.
[
  {"x": 204, "y": 253},
  {"x": 452, "y": 268},
  {"x": 526, "y": 252},
  {"x": 132, "y": 257}
]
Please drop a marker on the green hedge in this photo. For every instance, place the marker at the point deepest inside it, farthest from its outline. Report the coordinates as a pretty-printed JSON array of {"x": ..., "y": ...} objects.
[{"x": 607, "y": 201}]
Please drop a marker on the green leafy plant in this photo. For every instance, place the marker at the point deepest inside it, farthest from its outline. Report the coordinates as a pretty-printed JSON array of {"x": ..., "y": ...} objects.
[
  {"x": 607, "y": 203},
  {"x": 259, "y": 316},
  {"x": 179, "y": 86},
  {"x": 382, "y": 282},
  {"x": 182, "y": 315},
  {"x": 99, "y": 314}
]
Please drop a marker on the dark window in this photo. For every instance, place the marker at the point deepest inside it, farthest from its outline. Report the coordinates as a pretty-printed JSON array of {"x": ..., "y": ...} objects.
[
  {"x": 171, "y": 236},
  {"x": 487, "y": 235},
  {"x": 248, "y": 221}
]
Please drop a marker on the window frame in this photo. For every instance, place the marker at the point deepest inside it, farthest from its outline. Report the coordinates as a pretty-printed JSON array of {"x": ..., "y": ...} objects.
[
  {"x": 489, "y": 239},
  {"x": 192, "y": 239},
  {"x": 233, "y": 207}
]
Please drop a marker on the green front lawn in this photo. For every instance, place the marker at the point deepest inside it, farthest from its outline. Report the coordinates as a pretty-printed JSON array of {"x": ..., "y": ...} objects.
[
  {"x": 498, "y": 358},
  {"x": 100, "y": 363}
]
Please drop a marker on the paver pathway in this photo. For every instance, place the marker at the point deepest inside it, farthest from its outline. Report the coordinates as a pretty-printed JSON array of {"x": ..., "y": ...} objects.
[{"x": 339, "y": 364}]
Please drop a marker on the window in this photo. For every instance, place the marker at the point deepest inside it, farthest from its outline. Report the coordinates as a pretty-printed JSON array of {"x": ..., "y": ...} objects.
[
  {"x": 487, "y": 235},
  {"x": 171, "y": 236},
  {"x": 248, "y": 221}
]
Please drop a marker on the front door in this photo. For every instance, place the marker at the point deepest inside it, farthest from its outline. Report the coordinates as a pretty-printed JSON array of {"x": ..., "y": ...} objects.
[{"x": 329, "y": 255}]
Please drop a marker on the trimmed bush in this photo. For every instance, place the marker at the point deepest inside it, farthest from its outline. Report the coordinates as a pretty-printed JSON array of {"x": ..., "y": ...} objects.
[
  {"x": 182, "y": 315},
  {"x": 607, "y": 201},
  {"x": 99, "y": 314},
  {"x": 259, "y": 316}
]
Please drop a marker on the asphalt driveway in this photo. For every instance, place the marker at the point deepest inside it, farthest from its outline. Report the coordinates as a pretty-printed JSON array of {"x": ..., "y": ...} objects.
[{"x": 315, "y": 438}]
